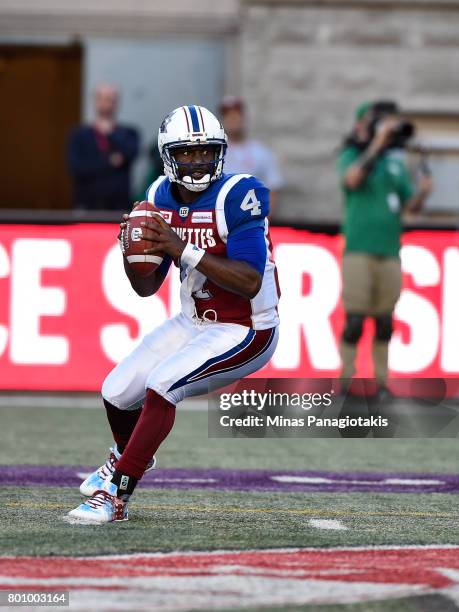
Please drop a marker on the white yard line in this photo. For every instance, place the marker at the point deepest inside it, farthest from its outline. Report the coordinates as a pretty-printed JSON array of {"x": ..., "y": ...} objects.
[
  {"x": 84, "y": 475},
  {"x": 387, "y": 481},
  {"x": 327, "y": 524}
]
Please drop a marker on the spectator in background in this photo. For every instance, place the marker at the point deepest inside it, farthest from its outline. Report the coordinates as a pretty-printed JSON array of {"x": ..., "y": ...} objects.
[
  {"x": 100, "y": 156},
  {"x": 377, "y": 189},
  {"x": 245, "y": 155}
]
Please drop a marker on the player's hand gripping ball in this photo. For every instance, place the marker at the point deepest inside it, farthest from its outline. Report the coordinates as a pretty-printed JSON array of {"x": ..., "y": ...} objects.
[
  {"x": 163, "y": 239},
  {"x": 133, "y": 243}
]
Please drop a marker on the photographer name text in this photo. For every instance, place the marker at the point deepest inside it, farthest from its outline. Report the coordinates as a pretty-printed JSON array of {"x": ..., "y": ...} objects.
[{"x": 310, "y": 421}]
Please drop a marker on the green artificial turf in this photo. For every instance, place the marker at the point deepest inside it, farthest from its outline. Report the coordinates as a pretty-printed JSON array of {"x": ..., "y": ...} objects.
[
  {"x": 82, "y": 437},
  {"x": 170, "y": 519},
  {"x": 32, "y": 518}
]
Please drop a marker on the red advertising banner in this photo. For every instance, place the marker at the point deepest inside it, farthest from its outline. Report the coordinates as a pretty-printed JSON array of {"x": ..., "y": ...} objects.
[{"x": 68, "y": 313}]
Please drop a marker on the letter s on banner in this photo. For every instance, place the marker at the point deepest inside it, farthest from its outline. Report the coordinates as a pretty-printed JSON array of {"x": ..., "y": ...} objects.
[
  {"x": 450, "y": 305},
  {"x": 115, "y": 339},
  {"x": 417, "y": 312}
]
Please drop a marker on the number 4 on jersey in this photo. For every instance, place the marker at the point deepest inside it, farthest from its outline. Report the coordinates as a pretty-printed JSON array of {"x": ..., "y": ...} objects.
[{"x": 251, "y": 203}]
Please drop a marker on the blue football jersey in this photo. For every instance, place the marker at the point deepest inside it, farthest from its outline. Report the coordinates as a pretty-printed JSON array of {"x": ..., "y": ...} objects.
[{"x": 230, "y": 205}]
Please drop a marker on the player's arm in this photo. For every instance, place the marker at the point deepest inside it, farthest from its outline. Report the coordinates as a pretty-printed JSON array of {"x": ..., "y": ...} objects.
[
  {"x": 236, "y": 276},
  {"x": 145, "y": 285},
  {"x": 242, "y": 272}
]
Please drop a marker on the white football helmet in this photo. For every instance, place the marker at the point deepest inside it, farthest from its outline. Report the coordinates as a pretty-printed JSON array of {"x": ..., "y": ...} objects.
[{"x": 191, "y": 126}]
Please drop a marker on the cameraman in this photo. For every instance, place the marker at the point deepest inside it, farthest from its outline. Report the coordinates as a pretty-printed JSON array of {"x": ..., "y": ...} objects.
[{"x": 377, "y": 189}]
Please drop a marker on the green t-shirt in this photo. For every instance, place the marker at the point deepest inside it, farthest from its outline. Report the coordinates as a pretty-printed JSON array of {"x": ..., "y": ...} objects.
[{"x": 372, "y": 213}]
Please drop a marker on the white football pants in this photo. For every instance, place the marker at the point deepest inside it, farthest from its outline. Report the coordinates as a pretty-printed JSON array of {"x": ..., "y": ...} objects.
[{"x": 181, "y": 356}]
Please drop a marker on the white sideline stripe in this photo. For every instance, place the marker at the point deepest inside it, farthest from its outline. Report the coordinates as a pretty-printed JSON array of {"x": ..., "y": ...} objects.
[
  {"x": 327, "y": 524},
  {"x": 90, "y": 401},
  {"x": 84, "y": 475},
  {"x": 452, "y": 574},
  {"x": 185, "y": 480},
  {"x": 214, "y": 572},
  {"x": 393, "y": 481},
  {"x": 302, "y": 479},
  {"x": 159, "y": 555},
  {"x": 413, "y": 481},
  {"x": 222, "y": 591},
  {"x": 144, "y": 259}
]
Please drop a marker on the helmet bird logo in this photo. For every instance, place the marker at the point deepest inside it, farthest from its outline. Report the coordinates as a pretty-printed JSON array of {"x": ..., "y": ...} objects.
[{"x": 167, "y": 119}]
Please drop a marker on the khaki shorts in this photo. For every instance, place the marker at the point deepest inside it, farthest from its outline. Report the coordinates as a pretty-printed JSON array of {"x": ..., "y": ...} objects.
[{"x": 371, "y": 284}]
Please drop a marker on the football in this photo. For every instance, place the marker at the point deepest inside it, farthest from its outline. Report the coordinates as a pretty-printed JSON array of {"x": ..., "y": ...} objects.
[{"x": 133, "y": 243}]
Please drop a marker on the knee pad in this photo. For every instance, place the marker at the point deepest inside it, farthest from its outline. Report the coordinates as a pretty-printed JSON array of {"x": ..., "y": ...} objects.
[
  {"x": 353, "y": 328},
  {"x": 107, "y": 393},
  {"x": 384, "y": 327},
  {"x": 119, "y": 394}
]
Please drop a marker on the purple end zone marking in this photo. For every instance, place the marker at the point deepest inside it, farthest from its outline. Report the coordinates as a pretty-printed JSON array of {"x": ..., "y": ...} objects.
[{"x": 246, "y": 480}]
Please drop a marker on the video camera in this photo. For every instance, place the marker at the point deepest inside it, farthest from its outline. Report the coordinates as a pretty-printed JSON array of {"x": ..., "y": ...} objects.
[{"x": 402, "y": 132}]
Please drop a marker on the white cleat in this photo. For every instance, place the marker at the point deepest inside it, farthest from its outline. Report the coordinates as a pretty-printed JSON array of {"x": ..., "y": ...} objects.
[
  {"x": 96, "y": 481},
  {"x": 103, "y": 507}
]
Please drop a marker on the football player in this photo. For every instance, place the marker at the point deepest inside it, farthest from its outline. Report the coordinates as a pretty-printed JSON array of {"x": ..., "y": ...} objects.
[{"x": 214, "y": 226}]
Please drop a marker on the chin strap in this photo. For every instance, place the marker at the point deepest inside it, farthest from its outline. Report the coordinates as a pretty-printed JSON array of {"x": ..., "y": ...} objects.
[
  {"x": 171, "y": 171},
  {"x": 196, "y": 185}
]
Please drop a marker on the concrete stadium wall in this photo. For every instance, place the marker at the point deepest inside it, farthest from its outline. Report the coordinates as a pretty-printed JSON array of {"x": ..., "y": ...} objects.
[
  {"x": 303, "y": 65},
  {"x": 111, "y": 17},
  {"x": 308, "y": 63}
]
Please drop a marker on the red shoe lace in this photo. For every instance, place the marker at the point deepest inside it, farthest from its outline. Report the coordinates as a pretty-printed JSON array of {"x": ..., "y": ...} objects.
[
  {"x": 99, "y": 499},
  {"x": 110, "y": 465}
]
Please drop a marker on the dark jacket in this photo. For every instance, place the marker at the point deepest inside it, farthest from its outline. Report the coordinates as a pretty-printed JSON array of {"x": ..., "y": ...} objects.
[{"x": 99, "y": 185}]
